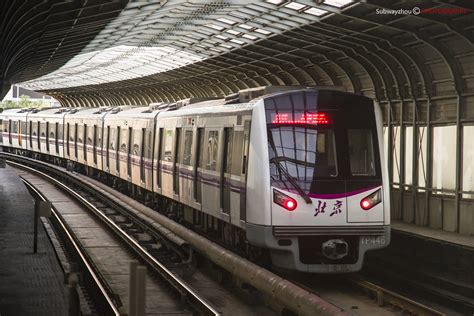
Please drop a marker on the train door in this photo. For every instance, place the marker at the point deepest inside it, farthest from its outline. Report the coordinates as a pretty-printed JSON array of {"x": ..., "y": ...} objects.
[
  {"x": 157, "y": 159},
  {"x": 31, "y": 135},
  {"x": 108, "y": 145},
  {"x": 147, "y": 149},
  {"x": 20, "y": 136},
  {"x": 210, "y": 181},
  {"x": 94, "y": 145},
  {"x": 226, "y": 170},
  {"x": 142, "y": 156},
  {"x": 243, "y": 193},
  {"x": 68, "y": 136},
  {"x": 176, "y": 162},
  {"x": 117, "y": 152},
  {"x": 86, "y": 143},
  {"x": 10, "y": 131},
  {"x": 198, "y": 166},
  {"x": 75, "y": 139},
  {"x": 186, "y": 170},
  {"x": 38, "y": 135},
  {"x": 56, "y": 128},
  {"x": 130, "y": 152},
  {"x": 47, "y": 137}
]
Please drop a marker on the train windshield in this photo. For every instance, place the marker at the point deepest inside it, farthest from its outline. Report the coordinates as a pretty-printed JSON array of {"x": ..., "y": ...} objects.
[
  {"x": 321, "y": 142},
  {"x": 304, "y": 153}
]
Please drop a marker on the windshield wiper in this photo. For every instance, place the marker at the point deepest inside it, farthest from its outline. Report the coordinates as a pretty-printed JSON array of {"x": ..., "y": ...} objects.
[{"x": 292, "y": 180}]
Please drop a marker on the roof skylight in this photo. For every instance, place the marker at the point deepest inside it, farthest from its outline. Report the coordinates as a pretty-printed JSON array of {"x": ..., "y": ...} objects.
[
  {"x": 227, "y": 21},
  {"x": 338, "y": 3},
  {"x": 215, "y": 27},
  {"x": 295, "y": 6},
  {"x": 315, "y": 11},
  {"x": 262, "y": 31}
]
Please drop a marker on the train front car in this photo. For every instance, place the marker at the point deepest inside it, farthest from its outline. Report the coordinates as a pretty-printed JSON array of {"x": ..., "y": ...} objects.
[{"x": 329, "y": 196}]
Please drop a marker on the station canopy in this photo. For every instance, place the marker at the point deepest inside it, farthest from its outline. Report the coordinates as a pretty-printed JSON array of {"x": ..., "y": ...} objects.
[{"x": 170, "y": 50}]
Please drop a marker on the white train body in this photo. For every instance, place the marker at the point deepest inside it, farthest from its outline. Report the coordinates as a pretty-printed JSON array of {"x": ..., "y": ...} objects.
[{"x": 298, "y": 171}]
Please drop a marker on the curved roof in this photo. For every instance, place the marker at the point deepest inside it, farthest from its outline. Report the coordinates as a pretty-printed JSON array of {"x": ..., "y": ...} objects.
[
  {"x": 38, "y": 37},
  {"x": 421, "y": 55}
]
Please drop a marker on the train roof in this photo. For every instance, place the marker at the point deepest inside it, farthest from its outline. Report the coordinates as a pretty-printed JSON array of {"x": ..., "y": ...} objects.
[
  {"x": 87, "y": 112},
  {"x": 135, "y": 112},
  {"x": 16, "y": 112},
  {"x": 48, "y": 112}
]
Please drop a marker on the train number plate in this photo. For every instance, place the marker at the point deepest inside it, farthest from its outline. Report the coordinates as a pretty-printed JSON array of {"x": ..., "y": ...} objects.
[{"x": 373, "y": 240}]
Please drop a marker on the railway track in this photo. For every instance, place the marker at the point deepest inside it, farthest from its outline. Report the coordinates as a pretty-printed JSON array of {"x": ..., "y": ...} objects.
[
  {"x": 182, "y": 254},
  {"x": 104, "y": 258}
]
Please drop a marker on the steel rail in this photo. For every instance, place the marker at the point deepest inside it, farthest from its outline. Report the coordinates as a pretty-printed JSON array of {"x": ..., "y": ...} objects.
[
  {"x": 180, "y": 285},
  {"x": 108, "y": 306},
  {"x": 294, "y": 298}
]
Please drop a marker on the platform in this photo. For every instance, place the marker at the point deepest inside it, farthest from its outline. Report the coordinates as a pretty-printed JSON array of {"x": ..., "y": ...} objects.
[
  {"x": 30, "y": 284},
  {"x": 455, "y": 239}
]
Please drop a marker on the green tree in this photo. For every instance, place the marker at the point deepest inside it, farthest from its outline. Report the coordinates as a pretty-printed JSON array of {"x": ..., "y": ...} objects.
[{"x": 25, "y": 101}]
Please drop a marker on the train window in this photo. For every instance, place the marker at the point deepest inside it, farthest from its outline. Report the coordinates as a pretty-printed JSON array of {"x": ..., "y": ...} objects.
[
  {"x": 188, "y": 143},
  {"x": 43, "y": 129},
  {"x": 59, "y": 133},
  {"x": 79, "y": 133},
  {"x": 212, "y": 150},
  {"x": 14, "y": 127},
  {"x": 361, "y": 152},
  {"x": 138, "y": 142},
  {"x": 68, "y": 136},
  {"x": 228, "y": 140},
  {"x": 124, "y": 137},
  {"x": 303, "y": 153},
  {"x": 111, "y": 132},
  {"x": 237, "y": 153},
  {"x": 148, "y": 144},
  {"x": 99, "y": 136},
  {"x": 23, "y": 131},
  {"x": 57, "y": 137},
  {"x": 47, "y": 136},
  {"x": 167, "y": 146},
  {"x": 52, "y": 132},
  {"x": 90, "y": 135}
]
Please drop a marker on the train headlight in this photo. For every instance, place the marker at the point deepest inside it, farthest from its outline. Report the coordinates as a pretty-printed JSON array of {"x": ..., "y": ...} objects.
[
  {"x": 370, "y": 201},
  {"x": 284, "y": 200}
]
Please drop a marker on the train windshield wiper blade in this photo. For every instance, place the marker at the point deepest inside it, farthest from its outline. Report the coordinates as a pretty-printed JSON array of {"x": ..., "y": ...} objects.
[{"x": 292, "y": 180}]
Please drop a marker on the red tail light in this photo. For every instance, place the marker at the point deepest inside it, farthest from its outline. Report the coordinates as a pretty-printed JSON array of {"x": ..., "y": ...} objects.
[
  {"x": 284, "y": 200},
  {"x": 370, "y": 201}
]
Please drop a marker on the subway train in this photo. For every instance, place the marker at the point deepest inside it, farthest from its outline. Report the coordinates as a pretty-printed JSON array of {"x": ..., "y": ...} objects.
[{"x": 291, "y": 174}]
